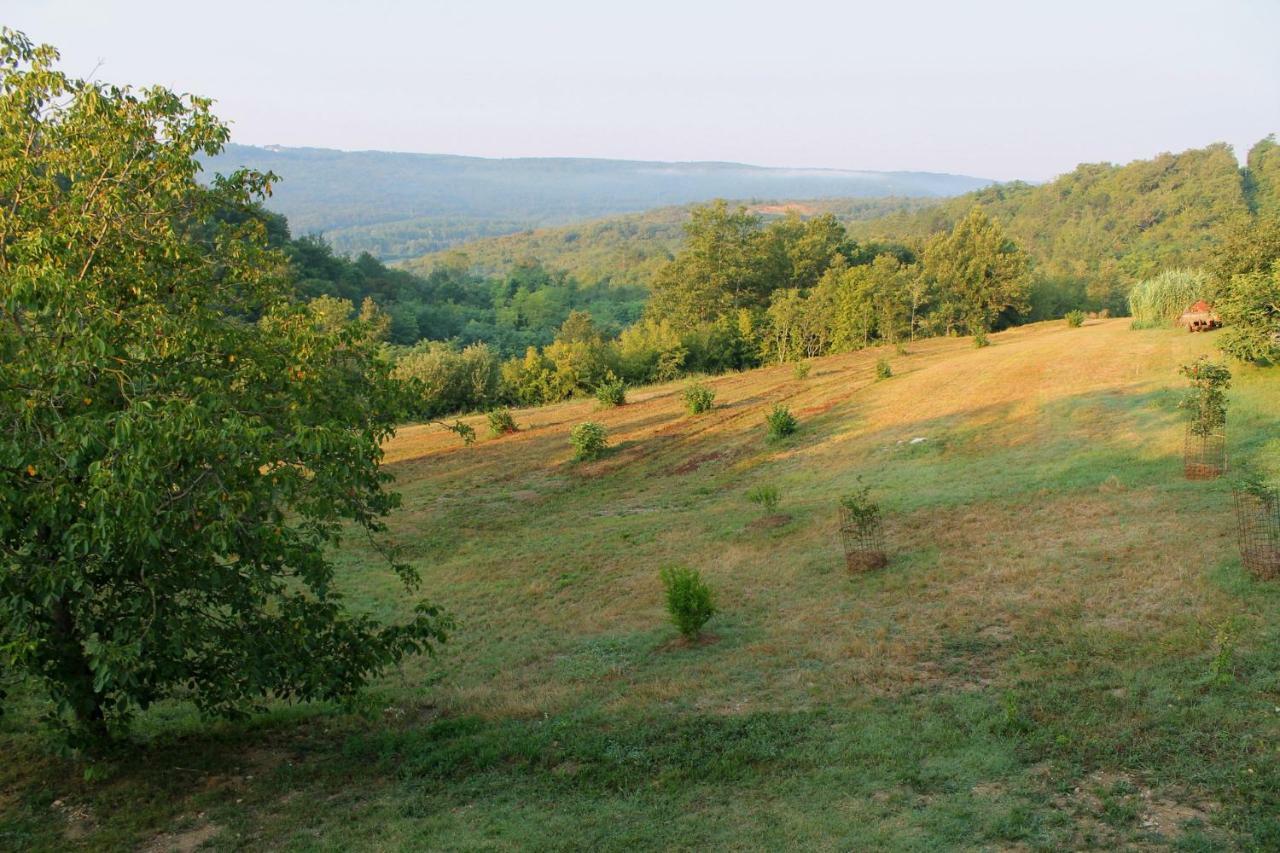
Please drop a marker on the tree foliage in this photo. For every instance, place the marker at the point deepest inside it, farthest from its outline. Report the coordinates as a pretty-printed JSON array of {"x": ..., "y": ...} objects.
[{"x": 184, "y": 440}]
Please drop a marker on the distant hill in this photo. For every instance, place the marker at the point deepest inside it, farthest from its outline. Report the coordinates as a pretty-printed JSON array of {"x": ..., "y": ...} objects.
[
  {"x": 397, "y": 205},
  {"x": 1099, "y": 227},
  {"x": 1102, "y": 224},
  {"x": 627, "y": 249}
]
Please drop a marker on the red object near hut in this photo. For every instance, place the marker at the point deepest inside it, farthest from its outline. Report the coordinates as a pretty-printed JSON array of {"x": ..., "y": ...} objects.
[{"x": 1200, "y": 317}]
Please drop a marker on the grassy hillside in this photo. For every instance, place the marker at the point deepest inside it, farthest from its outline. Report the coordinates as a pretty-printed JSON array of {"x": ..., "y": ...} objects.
[
  {"x": 629, "y": 249},
  {"x": 1063, "y": 653},
  {"x": 399, "y": 205}
]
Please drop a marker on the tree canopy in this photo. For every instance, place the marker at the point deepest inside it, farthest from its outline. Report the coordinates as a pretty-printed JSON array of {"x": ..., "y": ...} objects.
[{"x": 184, "y": 439}]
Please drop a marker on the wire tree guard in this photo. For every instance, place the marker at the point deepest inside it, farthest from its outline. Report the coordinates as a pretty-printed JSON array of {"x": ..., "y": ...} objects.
[
  {"x": 1258, "y": 529},
  {"x": 1204, "y": 455},
  {"x": 863, "y": 541}
]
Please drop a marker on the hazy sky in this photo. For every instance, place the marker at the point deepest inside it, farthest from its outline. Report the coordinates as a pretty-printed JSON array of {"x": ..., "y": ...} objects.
[{"x": 994, "y": 89}]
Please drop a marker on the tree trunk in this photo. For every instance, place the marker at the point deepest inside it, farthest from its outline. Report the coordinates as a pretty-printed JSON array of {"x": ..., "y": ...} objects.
[{"x": 76, "y": 676}]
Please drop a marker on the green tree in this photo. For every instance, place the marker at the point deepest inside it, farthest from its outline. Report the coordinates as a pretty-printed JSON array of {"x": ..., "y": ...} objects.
[
  {"x": 183, "y": 441},
  {"x": 979, "y": 272},
  {"x": 727, "y": 263}
]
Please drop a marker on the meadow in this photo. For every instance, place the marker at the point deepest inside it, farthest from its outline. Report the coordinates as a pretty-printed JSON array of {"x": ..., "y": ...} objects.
[{"x": 1064, "y": 651}]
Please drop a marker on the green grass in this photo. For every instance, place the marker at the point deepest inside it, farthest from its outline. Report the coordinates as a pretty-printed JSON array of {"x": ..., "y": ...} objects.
[{"x": 1041, "y": 666}]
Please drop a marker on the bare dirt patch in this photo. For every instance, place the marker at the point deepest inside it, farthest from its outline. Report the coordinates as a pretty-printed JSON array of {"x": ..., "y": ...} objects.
[{"x": 693, "y": 463}]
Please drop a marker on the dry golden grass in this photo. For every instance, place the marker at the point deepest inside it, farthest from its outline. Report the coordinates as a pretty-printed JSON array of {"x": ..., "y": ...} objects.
[{"x": 540, "y": 556}]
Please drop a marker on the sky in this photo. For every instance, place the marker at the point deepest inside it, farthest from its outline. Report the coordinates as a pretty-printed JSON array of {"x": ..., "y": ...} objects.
[{"x": 1001, "y": 90}]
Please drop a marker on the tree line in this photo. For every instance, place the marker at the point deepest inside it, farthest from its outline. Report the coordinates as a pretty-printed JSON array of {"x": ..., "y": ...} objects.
[{"x": 743, "y": 292}]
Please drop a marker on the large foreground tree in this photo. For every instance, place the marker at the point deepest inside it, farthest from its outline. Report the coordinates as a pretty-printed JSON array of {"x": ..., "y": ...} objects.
[{"x": 182, "y": 442}]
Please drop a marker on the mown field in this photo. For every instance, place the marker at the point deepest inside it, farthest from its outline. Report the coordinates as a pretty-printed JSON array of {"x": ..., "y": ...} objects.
[{"x": 1064, "y": 651}]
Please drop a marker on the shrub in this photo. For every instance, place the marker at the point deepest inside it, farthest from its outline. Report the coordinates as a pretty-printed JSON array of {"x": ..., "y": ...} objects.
[
  {"x": 1206, "y": 399},
  {"x": 501, "y": 422},
  {"x": 698, "y": 398},
  {"x": 1250, "y": 310},
  {"x": 980, "y": 339},
  {"x": 766, "y": 496},
  {"x": 802, "y": 369},
  {"x": 780, "y": 421},
  {"x": 446, "y": 380},
  {"x": 589, "y": 440},
  {"x": 611, "y": 392},
  {"x": 689, "y": 600},
  {"x": 1075, "y": 319},
  {"x": 464, "y": 431},
  {"x": 864, "y": 513},
  {"x": 1159, "y": 301},
  {"x": 883, "y": 370}
]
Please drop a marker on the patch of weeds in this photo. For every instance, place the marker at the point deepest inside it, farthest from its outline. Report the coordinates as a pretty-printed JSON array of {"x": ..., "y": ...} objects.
[{"x": 766, "y": 496}]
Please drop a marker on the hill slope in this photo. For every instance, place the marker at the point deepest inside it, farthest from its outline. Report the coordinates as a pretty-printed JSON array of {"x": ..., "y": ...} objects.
[
  {"x": 628, "y": 249},
  {"x": 404, "y": 205},
  {"x": 1101, "y": 226},
  {"x": 1064, "y": 652}
]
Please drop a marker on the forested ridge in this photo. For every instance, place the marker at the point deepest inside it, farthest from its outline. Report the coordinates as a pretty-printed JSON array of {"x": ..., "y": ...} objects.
[
  {"x": 708, "y": 288},
  {"x": 1099, "y": 228}
]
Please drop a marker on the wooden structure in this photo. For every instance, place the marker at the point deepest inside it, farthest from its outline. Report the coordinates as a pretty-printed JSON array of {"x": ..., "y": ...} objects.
[{"x": 1200, "y": 317}]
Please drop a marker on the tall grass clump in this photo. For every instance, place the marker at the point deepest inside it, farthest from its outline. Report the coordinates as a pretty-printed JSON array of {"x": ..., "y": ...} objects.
[
  {"x": 1159, "y": 301},
  {"x": 1075, "y": 319},
  {"x": 883, "y": 370},
  {"x": 698, "y": 398},
  {"x": 766, "y": 496},
  {"x": 689, "y": 599}
]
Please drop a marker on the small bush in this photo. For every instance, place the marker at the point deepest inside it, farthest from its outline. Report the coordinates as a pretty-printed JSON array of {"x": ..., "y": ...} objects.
[
  {"x": 1206, "y": 400},
  {"x": 883, "y": 370},
  {"x": 802, "y": 369},
  {"x": 766, "y": 496},
  {"x": 864, "y": 513},
  {"x": 698, "y": 398},
  {"x": 780, "y": 421},
  {"x": 611, "y": 392},
  {"x": 1075, "y": 319},
  {"x": 589, "y": 440},
  {"x": 689, "y": 600},
  {"x": 980, "y": 339},
  {"x": 501, "y": 423}
]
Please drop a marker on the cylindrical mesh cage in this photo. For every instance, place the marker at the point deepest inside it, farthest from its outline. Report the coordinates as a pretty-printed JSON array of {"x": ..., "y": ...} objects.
[
  {"x": 1204, "y": 457},
  {"x": 1258, "y": 531},
  {"x": 863, "y": 542}
]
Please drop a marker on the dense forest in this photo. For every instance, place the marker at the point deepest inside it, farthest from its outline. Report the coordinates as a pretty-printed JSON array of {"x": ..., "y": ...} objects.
[
  {"x": 1091, "y": 234},
  {"x": 708, "y": 288},
  {"x": 630, "y": 249}
]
